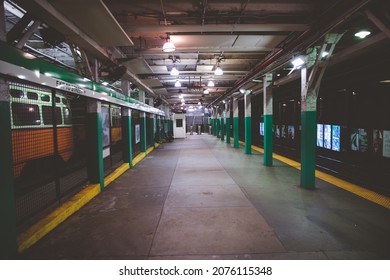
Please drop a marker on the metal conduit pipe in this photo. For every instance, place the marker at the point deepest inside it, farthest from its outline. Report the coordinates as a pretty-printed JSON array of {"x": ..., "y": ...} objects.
[{"x": 326, "y": 23}]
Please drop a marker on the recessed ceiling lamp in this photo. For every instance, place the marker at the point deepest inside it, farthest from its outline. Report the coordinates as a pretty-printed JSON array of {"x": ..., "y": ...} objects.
[
  {"x": 210, "y": 84},
  {"x": 174, "y": 71},
  {"x": 218, "y": 71},
  {"x": 362, "y": 34},
  {"x": 177, "y": 84},
  {"x": 298, "y": 62},
  {"x": 168, "y": 45}
]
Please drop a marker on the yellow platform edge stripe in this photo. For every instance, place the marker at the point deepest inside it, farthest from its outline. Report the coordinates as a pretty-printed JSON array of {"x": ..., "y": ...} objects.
[
  {"x": 52, "y": 220},
  {"x": 372, "y": 196}
]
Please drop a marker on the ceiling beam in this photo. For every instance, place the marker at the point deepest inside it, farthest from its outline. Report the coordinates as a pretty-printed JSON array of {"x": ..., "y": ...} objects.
[{"x": 143, "y": 30}]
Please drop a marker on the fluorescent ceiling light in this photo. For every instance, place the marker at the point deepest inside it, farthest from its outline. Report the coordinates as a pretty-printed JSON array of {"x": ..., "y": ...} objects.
[
  {"x": 362, "y": 34},
  {"x": 174, "y": 71},
  {"x": 177, "y": 84},
  {"x": 297, "y": 62},
  {"x": 210, "y": 84},
  {"x": 324, "y": 54},
  {"x": 218, "y": 71},
  {"x": 169, "y": 46}
]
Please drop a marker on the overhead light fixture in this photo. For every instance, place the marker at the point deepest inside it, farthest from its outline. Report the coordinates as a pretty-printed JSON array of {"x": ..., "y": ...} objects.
[
  {"x": 177, "y": 84},
  {"x": 168, "y": 45},
  {"x": 218, "y": 71},
  {"x": 174, "y": 71},
  {"x": 362, "y": 34},
  {"x": 324, "y": 54},
  {"x": 206, "y": 91},
  {"x": 242, "y": 90},
  {"x": 298, "y": 62},
  {"x": 210, "y": 84}
]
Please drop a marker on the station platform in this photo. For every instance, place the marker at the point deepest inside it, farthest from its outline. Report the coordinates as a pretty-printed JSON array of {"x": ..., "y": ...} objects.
[{"x": 200, "y": 198}]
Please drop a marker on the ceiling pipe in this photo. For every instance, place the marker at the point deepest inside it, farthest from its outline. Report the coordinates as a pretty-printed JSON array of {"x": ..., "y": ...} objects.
[{"x": 327, "y": 22}]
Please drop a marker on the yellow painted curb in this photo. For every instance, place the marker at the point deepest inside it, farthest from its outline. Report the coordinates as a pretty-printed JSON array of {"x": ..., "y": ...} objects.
[
  {"x": 138, "y": 158},
  {"x": 115, "y": 174},
  {"x": 52, "y": 220},
  {"x": 44, "y": 226},
  {"x": 149, "y": 150},
  {"x": 345, "y": 185},
  {"x": 372, "y": 196}
]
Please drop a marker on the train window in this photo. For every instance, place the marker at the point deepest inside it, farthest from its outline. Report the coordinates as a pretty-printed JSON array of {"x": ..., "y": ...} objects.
[
  {"x": 45, "y": 97},
  {"x": 32, "y": 95},
  {"x": 65, "y": 101},
  {"x": 58, "y": 100},
  {"x": 116, "y": 117},
  {"x": 25, "y": 114},
  {"x": 47, "y": 114},
  {"x": 67, "y": 115},
  {"x": 16, "y": 93}
]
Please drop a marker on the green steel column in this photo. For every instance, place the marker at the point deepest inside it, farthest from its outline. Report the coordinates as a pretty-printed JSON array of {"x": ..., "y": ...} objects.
[
  {"x": 94, "y": 140},
  {"x": 222, "y": 128},
  {"x": 235, "y": 123},
  {"x": 152, "y": 130},
  {"x": 215, "y": 125},
  {"x": 267, "y": 98},
  {"x": 218, "y": 127},
  {"x": 248, "y": 124},
  {"x": 160, "y": 127},
  {"x": 8, "y": 236},
  {"x": 308, "y": 133},
  {"x": 228, "y": 123},
  {"x": 127, "y": 136},
  {"x": 143, "y": 131}
]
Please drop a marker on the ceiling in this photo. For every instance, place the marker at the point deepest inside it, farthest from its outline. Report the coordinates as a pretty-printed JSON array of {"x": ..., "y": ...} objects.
[{"x": 245, "y": 38}]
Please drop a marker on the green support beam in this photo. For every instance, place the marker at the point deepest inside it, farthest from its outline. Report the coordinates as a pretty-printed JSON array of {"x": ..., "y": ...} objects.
[
  {"x": 222, "y": 128},
  {"x": 228, "y": 123},
  {"x": 248, "y": 124},
  {"x": 267, "y": 98},
  {"x": 310, "y": 87},
  {"x": 235, "y": 123},
  {"x": 152, "y": 130},
  {"x": 95, "y": 140},
  {"x": 127, "y": 136},
  {"x": 143, "y": 131}
]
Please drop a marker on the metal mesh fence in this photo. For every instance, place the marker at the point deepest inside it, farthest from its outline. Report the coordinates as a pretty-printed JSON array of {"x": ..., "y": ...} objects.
[{"x": 48, "y": 147}]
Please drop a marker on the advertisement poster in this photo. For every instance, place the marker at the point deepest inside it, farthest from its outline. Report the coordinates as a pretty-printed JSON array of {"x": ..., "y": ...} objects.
[
  {"x": 262, "y": 129},
  {"x": 277, "y": 131},
  {"x": 327, "y": 136},
  {"x": 354, "y": 139},
  {"x": 363, "y": 140},
  {"x": 377, "y": 141},
  {"x": 137, "y": 133},
  {"x": 336, "y": 138},
  {"x": 284, "y": 131},
  {"x": 359, "y": 140},
  {"x": 106, "y": 126},
  {"x": 386, "y": 143},
  {"x": 320, "y": 135},
  {"x": 291, "y": 132}
]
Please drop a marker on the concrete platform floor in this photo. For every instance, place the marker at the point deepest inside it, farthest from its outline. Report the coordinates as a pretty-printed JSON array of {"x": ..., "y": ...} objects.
[{"x": 199, "y": 198}]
